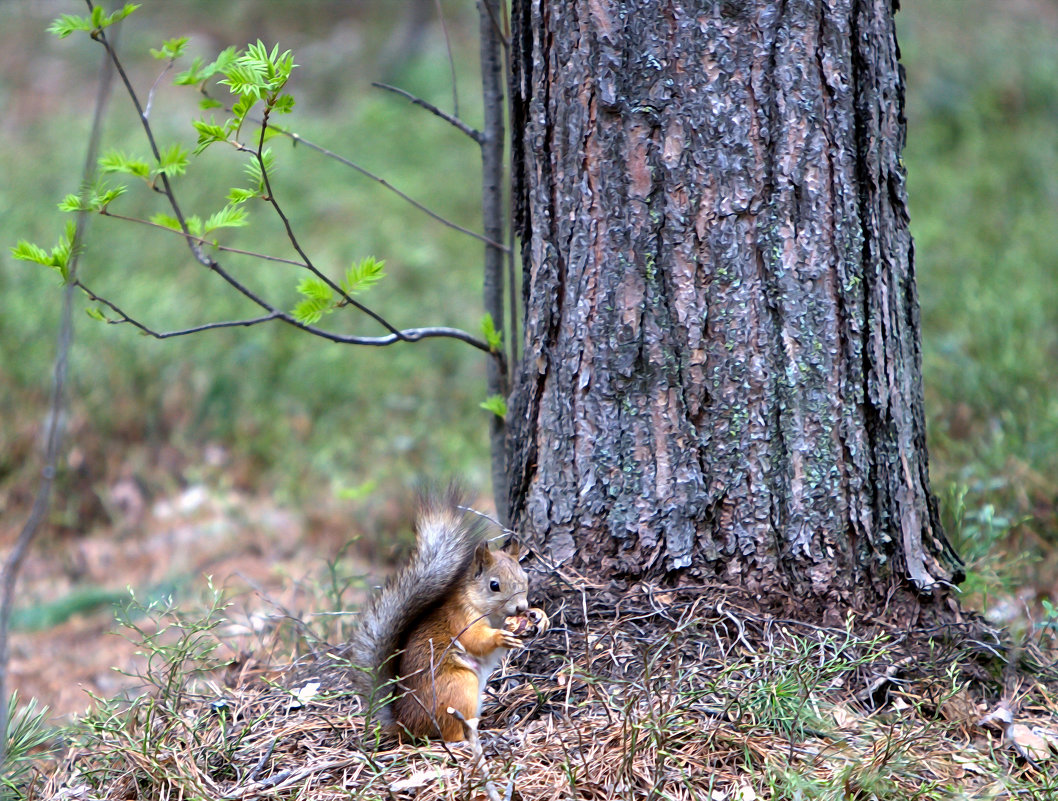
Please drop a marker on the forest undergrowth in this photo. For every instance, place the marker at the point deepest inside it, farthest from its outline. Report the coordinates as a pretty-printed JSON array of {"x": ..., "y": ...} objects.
[{"x": 643, "y": 692}]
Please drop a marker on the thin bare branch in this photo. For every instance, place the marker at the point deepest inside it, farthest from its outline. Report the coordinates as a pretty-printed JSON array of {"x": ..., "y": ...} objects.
[
  {"x": 496, "y": 24},
  {"x": 154, "y": 88},
  {"x": 405, "y": 335},
  {"x": 454, "y": 121},
  {"x": 53, "y": 422},
  {"x": 299, "y": 139},
  {"x": 101, "y": 37},
  {"x": 270, "y": 197},
  {"x": 386, "y": 184},
  {"x": 202, "y": 240},
  {"x": 451, "y": 60},
  {"x": 123, "y": 317}
]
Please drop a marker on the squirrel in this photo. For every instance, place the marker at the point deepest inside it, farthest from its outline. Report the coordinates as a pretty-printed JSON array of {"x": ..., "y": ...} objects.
[{"x": 430, "y": 640}]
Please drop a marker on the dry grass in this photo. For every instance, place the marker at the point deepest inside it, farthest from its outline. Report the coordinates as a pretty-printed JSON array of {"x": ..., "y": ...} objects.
[{"x": 656, "y": 694}]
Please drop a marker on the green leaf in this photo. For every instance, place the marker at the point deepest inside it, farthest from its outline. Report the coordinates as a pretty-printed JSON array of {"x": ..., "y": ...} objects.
[
  {"x": 115, "y": 161},
  {"x": 225, "y": 58},
  {"x": 310, "y": 310},
  {"x": 166, "y": 220},
  {"x": 95, "y": 198},
  {"x": 173, "y": 161},
  {"x": 72, "y": 203},
  {"x": 207, "y": 103},
  {"x": 493, "y": 337},
  {"x": 27, "y": 251},
  {"x": 103, "y": 196},
  {"x": 283, "y": 104},
  {"x": 171, "y": 49},
  {"x": 61, "y": 253},
  {"x": 193, "y": 75},
  {"x": 95, "y": 314},
  {"x": 243, "y": 106},
  {"x": 496, "y": 404},
  {"x": 68, "y": 23},
  {"x": 316, "y": 302},
  {"x": 315, "y": 288},
  {"x": 99, "y": 19},
  {"x": 58, "y": 259},
  {"x": 117, "y": 16},
  {"x": 194, "y": 225},
  {"x": 199, "y": 73},
  {"x": 208, "y": 133},
  {"x": 245, "y": 79},
  {"x": 253, "y": 169},
  {"x": 228, "y": 217},
  {"x": 362, "y": 276},
  {"x": 237, "y": 195},
  {"x": 361, "y": 491}
]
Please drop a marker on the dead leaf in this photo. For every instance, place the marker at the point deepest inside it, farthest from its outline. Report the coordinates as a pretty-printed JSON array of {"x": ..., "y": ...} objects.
[
  {"x": 417, "y": 780},
  {"x": 1028, "y": 743}
]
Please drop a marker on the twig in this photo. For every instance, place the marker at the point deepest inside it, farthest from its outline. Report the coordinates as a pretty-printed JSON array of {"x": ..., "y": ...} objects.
[
  {"x": 406, "y": 335},
  {"x": 455, "y": 122},
  {"x": 286, "y": 778},
  {"x": 297, "y": 138},
  {"x": 503, "y": 38},
  {"x": 451, "y": 60},
  {"x": 470, "y": 731},
  {"x": 193, "y": 242},
  {"x": 292, "y": 237},
  {"x": 154, "y": 88},
  {"x": 201, "y": 240},
  {"x": 387, "y": 185},
  {"x": 53, "y": 422}
]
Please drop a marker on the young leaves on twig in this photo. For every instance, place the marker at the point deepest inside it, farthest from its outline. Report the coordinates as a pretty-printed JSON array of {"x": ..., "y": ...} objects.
[
  {"x": 171, "y": 49},
  {"x": 496, "y": 404},
  {"x": 92, "y": 24},
  {"x": 319, "y": 299},
  {"x": 493, "y": 337},
  {"x": 58, "y": 259},
  {"x": 254, "y": 76}
]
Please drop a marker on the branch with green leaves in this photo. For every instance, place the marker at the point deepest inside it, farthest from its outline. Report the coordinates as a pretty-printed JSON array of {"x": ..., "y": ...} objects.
[{"x": 256, "y": 79}]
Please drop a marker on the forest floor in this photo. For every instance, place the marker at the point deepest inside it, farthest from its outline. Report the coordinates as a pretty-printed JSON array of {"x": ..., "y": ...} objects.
[
  {"x": 221, "y": 681},
  {"x": 66, "y": 646},
  {"x": 655, "y": 693}
]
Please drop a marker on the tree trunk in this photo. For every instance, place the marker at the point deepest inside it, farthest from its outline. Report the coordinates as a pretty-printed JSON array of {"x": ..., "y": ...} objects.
[{"x": 721, "y": 375}]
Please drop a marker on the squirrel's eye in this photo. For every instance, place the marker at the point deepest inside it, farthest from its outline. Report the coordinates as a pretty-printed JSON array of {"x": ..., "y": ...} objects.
[{"x": 494, "y": 585}]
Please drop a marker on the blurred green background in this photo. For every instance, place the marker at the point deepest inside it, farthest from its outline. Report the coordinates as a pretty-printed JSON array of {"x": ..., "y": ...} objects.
[{"x": 271, "y": 410}]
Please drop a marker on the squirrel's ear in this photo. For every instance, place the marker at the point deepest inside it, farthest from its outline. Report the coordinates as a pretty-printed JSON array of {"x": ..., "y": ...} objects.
[
  {"x": 482, "y": 558},
  {"x": 513, "y": 548}
]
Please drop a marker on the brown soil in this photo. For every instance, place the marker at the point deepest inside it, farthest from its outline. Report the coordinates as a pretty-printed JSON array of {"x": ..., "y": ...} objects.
[{"x": 262, "y": 555}]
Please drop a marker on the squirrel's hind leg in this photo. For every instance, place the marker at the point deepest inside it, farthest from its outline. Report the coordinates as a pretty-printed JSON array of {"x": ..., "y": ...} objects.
[{"x": 422, "y": 711}]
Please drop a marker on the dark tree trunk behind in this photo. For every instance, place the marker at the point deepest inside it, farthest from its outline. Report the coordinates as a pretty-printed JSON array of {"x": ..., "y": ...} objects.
[{"x": 721, "y": 373}]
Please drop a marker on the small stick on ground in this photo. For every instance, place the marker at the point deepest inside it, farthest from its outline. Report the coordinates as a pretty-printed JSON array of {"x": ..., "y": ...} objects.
[{"x": 470, "y": 731}]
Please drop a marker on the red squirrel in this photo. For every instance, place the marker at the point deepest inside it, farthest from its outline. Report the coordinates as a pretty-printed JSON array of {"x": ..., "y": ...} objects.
[{"x": 431, "y": 639}]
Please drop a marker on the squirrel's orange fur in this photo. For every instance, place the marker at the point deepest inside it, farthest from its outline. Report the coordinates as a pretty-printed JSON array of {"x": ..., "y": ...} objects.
[{"x": 432, "y": 637}]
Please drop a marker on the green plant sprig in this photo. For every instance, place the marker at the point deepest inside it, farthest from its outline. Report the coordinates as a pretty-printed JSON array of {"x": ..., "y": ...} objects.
[{"x": 256, "y": 76}]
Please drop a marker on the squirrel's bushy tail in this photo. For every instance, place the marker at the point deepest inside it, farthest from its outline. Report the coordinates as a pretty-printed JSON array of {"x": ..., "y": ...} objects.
[{"x": 444, "y": 548}]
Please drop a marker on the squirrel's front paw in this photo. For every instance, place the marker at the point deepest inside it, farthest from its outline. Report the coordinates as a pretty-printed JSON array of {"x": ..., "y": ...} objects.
[
  {"x": 539, "y": 620},
  {"x": 508, "y": 640},
  {"x": 530, "y": 623}
]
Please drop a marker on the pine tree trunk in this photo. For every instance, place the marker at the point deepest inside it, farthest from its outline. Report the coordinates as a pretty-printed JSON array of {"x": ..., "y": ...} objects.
[{"x": 721, "y": 374}]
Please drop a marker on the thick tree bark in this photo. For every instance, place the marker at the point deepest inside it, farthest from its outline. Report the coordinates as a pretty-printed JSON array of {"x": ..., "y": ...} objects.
[{"x": 721, "y": 373}]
